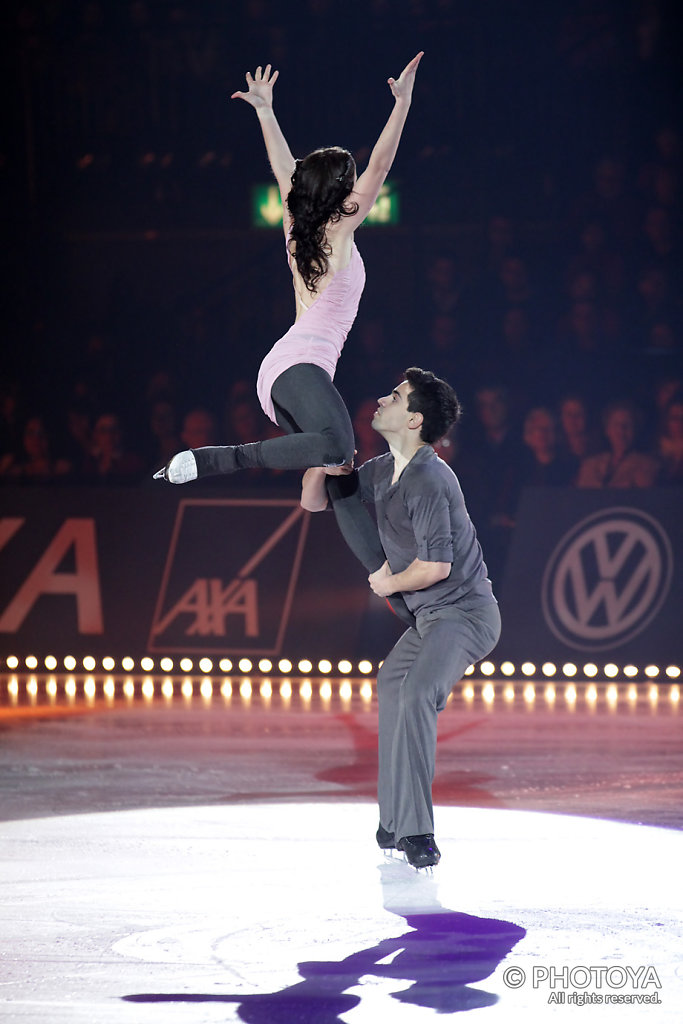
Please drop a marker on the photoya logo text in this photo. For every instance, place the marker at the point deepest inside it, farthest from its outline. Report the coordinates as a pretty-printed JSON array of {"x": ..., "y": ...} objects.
[
  {"x": 616, "y": 984},
  {"x": 607, "y": 579}
]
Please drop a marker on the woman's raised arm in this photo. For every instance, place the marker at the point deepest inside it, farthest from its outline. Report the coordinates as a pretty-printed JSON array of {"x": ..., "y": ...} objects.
[
  {"x": 371, "y": 180},
  {"x": 259, "y": 95}
]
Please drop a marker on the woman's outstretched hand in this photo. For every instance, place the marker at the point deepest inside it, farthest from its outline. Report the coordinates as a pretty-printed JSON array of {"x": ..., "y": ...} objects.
[
  {"x": 260, "y": 87},
  {"x": 402, "y": 87}
]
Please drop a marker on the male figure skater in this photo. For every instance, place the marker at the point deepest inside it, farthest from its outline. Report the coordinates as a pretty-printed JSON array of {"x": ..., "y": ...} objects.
[{"x": 434, "y": 560}]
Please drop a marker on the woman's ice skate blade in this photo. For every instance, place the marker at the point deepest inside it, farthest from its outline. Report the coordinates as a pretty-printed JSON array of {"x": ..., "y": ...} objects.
[{"x": 179, "y": 470}]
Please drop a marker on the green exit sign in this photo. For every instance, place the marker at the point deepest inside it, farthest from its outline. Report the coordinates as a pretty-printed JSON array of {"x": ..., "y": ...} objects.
[{"x": 266, "y": 206}]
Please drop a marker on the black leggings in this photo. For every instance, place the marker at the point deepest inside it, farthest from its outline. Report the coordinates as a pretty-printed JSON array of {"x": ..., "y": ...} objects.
[
  {"x": 318, "y": 432},
  {"x": 318, "y": 429}
]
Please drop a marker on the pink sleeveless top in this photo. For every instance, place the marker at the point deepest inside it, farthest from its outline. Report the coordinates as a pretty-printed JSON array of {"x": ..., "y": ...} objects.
[{"x": 319, "y": 334}]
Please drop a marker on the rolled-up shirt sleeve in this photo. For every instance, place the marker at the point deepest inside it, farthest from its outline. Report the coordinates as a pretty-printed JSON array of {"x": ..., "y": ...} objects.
[{"x": 429, "y": 510}]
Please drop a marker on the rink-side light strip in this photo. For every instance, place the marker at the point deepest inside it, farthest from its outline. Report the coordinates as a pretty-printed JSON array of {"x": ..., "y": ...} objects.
[
  {"x": 304, "y": 667},
  {"x": 32, "y": 690}
]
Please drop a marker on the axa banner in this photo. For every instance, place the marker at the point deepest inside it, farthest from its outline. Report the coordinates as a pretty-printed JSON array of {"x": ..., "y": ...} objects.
[
  {"x": 178, "y": 570},
  {"x": 595, "y": 574},
  {"x": 184, "y": 570}
]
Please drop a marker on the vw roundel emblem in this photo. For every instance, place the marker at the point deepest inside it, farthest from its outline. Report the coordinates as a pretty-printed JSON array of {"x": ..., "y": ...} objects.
[{"x": 607, "y": 579}]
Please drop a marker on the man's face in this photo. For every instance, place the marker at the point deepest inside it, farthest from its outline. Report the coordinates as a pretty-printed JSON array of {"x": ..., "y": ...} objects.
[{"x": 392, "y": 414}]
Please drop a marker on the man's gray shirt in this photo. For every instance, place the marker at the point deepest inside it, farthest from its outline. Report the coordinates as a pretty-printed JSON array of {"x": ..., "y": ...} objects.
[{"x": 423, "y": 515}]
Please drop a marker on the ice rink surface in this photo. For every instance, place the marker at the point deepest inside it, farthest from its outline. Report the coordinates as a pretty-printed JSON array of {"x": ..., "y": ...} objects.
[{"x": 138, "y": 887}]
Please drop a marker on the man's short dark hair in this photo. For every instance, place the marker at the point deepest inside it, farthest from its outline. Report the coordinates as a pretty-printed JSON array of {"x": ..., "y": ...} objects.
[{"x": 435, "y": 399}]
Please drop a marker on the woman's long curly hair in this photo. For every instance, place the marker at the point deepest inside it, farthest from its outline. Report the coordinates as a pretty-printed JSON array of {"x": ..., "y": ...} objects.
[{"x": 321, "y": 184}]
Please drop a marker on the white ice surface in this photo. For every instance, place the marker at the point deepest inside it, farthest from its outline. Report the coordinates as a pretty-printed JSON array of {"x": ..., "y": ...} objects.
[{"x": 225, "y": 902}]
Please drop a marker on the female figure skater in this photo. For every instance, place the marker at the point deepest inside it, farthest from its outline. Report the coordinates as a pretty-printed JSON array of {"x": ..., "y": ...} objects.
[{"x": 323, "y": 204}]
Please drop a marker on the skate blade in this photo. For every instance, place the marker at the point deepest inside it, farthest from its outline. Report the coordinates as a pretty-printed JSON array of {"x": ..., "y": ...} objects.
[{"x": 160, "y": 474}]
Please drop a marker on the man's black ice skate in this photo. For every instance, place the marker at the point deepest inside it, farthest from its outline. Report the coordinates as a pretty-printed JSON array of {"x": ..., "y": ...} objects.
[
  {"x": 420, "y": 851},
  {"x": 385, "y": 840}
]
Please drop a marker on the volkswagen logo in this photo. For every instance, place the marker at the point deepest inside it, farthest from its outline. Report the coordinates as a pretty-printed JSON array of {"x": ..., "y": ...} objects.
[{"x": 607, "y": 579}]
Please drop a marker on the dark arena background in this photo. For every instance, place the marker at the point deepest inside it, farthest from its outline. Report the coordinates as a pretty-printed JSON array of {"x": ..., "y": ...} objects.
[{"x": 188, "y": 711}]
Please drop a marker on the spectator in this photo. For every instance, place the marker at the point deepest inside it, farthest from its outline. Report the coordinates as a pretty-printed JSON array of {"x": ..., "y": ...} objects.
[
  {"x": 670, "y": 443},
  {"x": 78, "y": 441},
  {"x": 610, "y": 201},
  {"x": 37, "y": 463},
  {"x": 576, "y": 439},
  {"x": 621, "y": 465},
  {"x": 199, "y": 429},
  {"x": 110, "y": 461},
  {"x": 163, "y": 433},
  {"x": 595, "y": 255},
  {"x": 488, "y": 466},
  {"x": 542, "y": 464},
  {"x": 661, "y": 242}
]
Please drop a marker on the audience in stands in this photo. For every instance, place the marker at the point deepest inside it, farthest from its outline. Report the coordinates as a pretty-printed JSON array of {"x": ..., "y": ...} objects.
[{"x": 622, "y": 464}]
